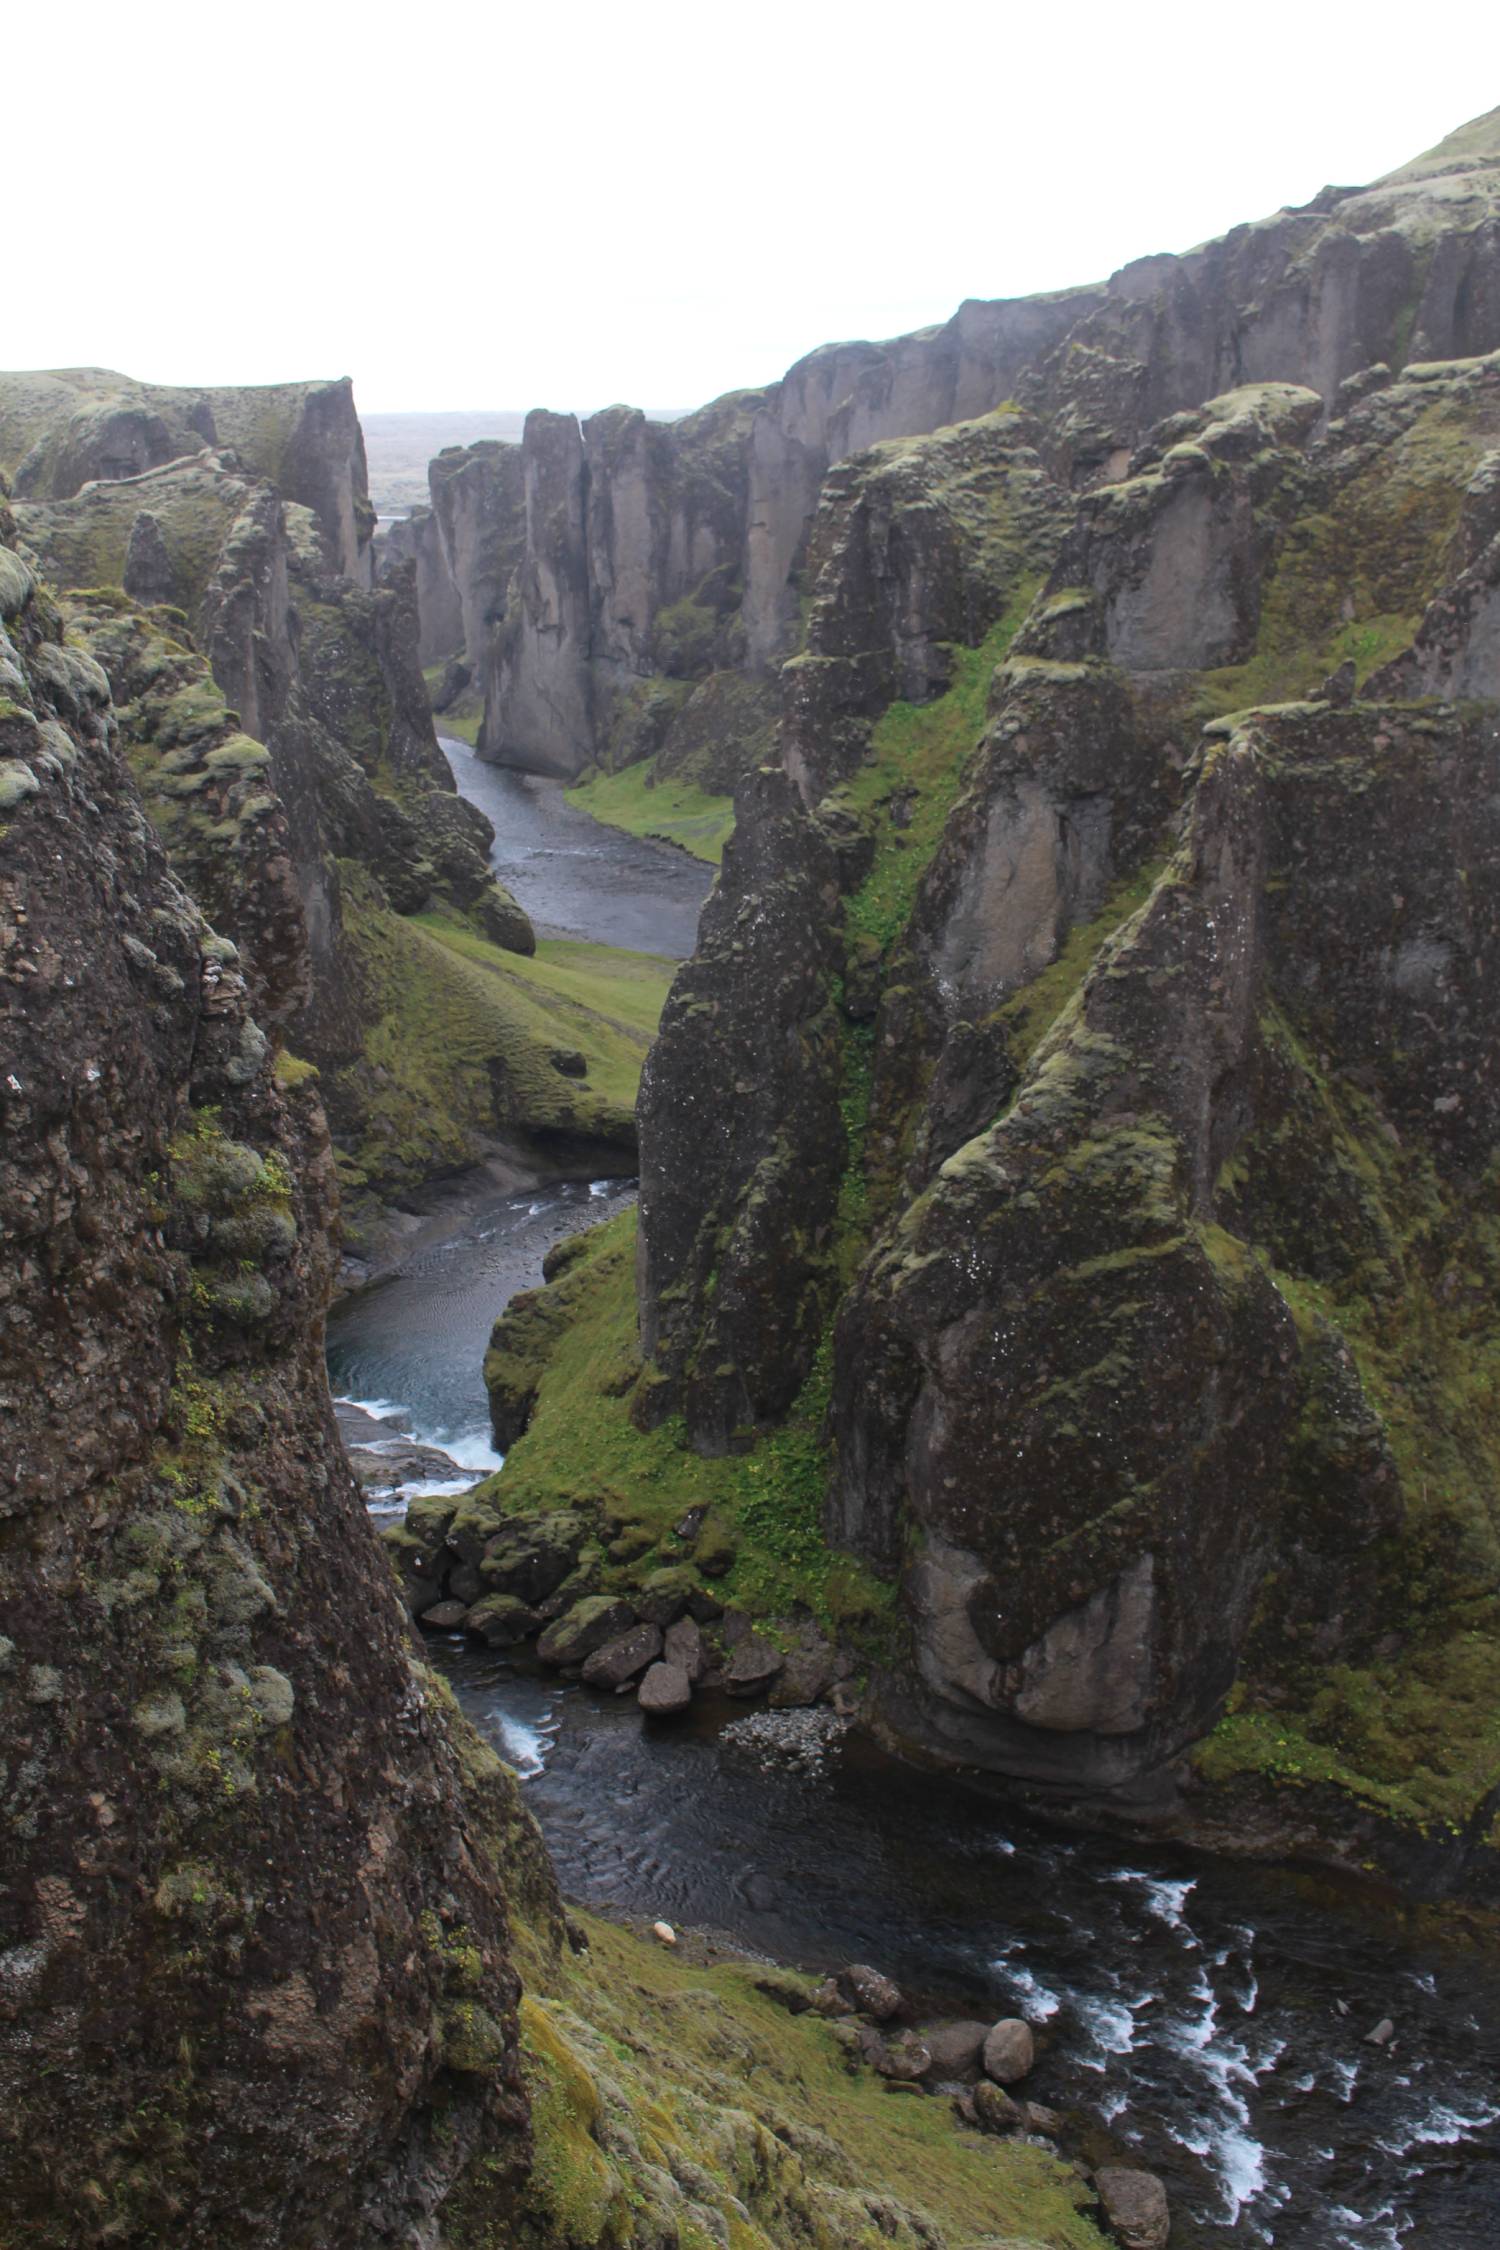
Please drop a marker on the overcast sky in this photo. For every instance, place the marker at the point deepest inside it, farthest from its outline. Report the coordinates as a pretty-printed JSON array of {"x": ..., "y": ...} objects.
[{"x": 505, "y": 208}]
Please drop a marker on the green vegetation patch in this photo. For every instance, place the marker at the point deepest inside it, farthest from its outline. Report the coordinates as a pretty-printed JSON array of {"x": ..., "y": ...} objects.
[
  {"x": 1353, "y": 580},
  {"x": 663, "y": 808},
  {"x": 1409, "y": 1271},
  {"x": 463, "y": 1040},
  {"x": 582, "y": 1449},
  {"x": 918, "y": 755},
  {"x": 750, "y": 2109}
]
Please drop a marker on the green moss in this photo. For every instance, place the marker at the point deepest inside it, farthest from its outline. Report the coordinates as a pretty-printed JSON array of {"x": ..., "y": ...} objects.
[
  {"x": 1353, "y": 581},
  {"x": 680, "y": 2100},
  {"x": 582, "y": 1448},
  {"x": 918, "y": 755},
  {"x": 665, "y": 808},
  {"x": 461, "y": 1036},
  {"x": 1378, "y": 1251}
]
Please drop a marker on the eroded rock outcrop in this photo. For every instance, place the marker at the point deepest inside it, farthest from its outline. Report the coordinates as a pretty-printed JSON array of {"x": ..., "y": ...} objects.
[
  {"x": 666, "y": 553},
  {"x": 1157, "y": 1031},
  {"x": 244, "y": 1996},
  {"x": 318, "y": 678}
]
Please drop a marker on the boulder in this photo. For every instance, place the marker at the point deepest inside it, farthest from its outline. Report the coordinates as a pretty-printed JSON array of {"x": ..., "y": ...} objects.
[
  {"x": 828, "y": 2000},
  {"x": 683, "y": 1645},
  {"x": 662, "y": 1595},
  {"x": 1135, "y": 2207},
  {"x": 955, "y": 2047},
  {"x": 402, "y": 1462},
  {"x": 1036, "y": 2117},
  {"x": 1009, "y": 2050},
  {"x": 620, "y": 1660},
  {"x": 752, "y": 1667},
  {"x": 443, "y": 1616},
  {"x": 501, "y": 1621},
  {"x": 994, "y": 2111},
  {"x": 665, "y": 1688},
  {"x": 869, "y": 1991},
  {"x": 905, "y": 2057},
  {"x": 583, "y": 1628}
]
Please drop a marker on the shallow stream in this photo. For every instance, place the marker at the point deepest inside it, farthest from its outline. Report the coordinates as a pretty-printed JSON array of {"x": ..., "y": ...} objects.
[{"x": 1208, "y": 2017}]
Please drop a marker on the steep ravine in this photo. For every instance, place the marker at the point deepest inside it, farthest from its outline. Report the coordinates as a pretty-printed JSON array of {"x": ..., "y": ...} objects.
[{"x": 1209, "y": 2020}]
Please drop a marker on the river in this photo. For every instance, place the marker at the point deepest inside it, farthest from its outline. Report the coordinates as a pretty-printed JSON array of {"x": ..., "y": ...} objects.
[{"x": 1208, "y": 2018}]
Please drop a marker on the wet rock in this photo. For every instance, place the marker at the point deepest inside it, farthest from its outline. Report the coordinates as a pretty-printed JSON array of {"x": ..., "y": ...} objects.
[
  {"x": 683, "y": 1646},
  {"x": 1135, "y": 2207},
  {"x": 1009, "y": 2050},
  {"x": 807, "y": 1673},
  {"x": 1382, "y": 2035},
  {"x": 666, "y": 1688},
  {"x": 1036, "y": 2117},
  {"x": 396, "y": 1464},
  {"x": 868, "y": 1990},
  {"x": 530, "y": 1566},
  {"x": 752, "y": 1667},
  {"x": 620, "y": 1660},
  {"x": 585, "y": 1627},
  {"x": 443, "y": 1617},
  {"x": 955, "y": 2047},
  {"x": 501, "y": 1621},
  {"x": 993, "y": 2109}
]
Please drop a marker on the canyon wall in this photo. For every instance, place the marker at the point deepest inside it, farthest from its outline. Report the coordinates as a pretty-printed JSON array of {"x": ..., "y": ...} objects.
[
  {"x": 655, "y": 557},
  {"x": 229, "y": 2007},
  {"x": 1083, "y": 1071}
]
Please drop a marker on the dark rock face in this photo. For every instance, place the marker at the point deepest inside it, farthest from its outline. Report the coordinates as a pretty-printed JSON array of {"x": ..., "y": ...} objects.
[
  {"x": 63, "y": 430},
  {"x": 237, "y": 2009},
  {"x": 299, "y": 744},
  {"x": 686, "y": 550},
  {"x": 1161, "y": 1068}
]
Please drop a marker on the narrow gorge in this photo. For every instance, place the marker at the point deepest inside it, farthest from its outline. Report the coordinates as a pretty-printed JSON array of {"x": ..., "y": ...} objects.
[{"x": 748, "y": 1425}]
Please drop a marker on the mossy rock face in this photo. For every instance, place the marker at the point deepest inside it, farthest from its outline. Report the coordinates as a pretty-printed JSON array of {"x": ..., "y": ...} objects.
[{"x": 171, "y": 1205}]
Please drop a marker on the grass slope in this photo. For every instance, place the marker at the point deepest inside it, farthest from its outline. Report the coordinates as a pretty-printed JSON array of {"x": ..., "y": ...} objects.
[{"x": 664, "y": 809}]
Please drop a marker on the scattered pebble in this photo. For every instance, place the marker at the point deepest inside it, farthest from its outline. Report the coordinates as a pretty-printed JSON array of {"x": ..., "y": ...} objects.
[{"x": 800, "y": 1740}]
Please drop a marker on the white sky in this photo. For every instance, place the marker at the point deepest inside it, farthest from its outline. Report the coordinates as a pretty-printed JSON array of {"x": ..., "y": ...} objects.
[{"x": 497, "y": 207}]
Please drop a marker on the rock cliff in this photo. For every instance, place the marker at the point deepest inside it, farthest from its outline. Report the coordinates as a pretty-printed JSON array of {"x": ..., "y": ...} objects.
[
  {"x": 654, "y": 557},
  {"x": 265, "y": 1900},
  {"x": 228, "y": 2003},
  {"x": 1082, "y": 1085},
  {"x": 234, "y": 635}
]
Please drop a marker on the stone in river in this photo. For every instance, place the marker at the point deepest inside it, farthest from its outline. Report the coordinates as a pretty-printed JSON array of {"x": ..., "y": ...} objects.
[
  {"x": 618, "y": 1661},
  {"x": 1135, "y": 2205},
  {"x": 684, "y": 1646},
  {"x": 1009, "y": 2050},
  {"x": 500, "y": 1621},
  {"x": 443, "y": 1616},
  {"x": 752, "y": 1667},
  {"x": 583, "y": 1628},
  {"x": 665, "y": 1688}
]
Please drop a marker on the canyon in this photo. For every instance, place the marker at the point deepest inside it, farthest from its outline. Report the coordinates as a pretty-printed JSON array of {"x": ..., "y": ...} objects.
[{"x": 1055, "y": 1336}]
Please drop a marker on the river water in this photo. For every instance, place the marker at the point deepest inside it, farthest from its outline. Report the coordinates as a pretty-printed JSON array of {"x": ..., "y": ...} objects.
[{"x": 1209, "y": 2019}]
